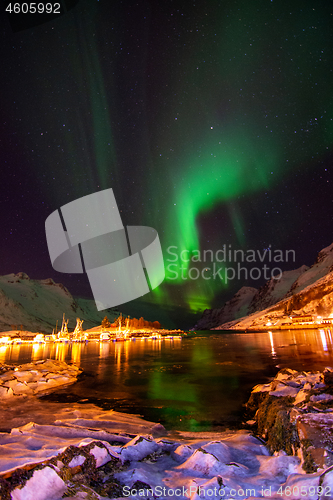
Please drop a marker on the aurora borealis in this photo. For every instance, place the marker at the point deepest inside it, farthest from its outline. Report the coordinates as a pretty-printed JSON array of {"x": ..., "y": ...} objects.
[{"x": 212, "y": 122}]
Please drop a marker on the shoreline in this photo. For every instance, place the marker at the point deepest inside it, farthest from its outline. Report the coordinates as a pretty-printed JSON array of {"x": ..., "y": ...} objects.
[
  {"x": 270, "y": 329},
  {"x": 87, "y": 453},
  {"x": 14, "y": 337}
]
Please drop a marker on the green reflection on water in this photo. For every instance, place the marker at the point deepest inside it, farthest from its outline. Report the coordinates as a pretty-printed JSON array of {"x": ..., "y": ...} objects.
[
  {"x": 202, "y": 355},
  {"x": 170, "y": 386}
]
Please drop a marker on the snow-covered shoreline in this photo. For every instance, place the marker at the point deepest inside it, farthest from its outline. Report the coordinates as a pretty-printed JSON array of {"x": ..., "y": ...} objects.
[
  {"x": 105, "y": 464},
  {"x": 83, "y": 452}
]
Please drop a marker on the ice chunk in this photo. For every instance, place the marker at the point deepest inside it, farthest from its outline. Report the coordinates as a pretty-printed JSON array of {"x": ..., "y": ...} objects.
[
  {"x": 166, "y": 445},
  {"x": 25, "y": 376},
  {"x": 262, "y": 388},
  {"x": 219, "y": 450},
  {"x": 207, "y": 464},
  {"x": 182, "y": 452},
  {"x": 138, "y": 448},
  {"x": 302, "y": 483},
  {"x": 327, "y": 482},
  {"x": 130, "y": 477},
  {"x": 301, "y": 396},
  {"x": 283, "y": 391},
  {"x": 321, "y": 398},
  {"x": 279, "y": 466},
  {"x": 4, "y": 392},
  {"x": 101, "y": 455}
]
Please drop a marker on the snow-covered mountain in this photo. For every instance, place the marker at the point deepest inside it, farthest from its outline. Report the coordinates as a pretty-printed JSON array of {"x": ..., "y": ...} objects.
[
  {"x": 322, "y": 266},
  {"x": 249, "y": 300},
  {"x": 235, "y": 308},
  {"x": 38, "y": 304},
  {"x": 310, "y": 293},
  {"x": 306, "y": 290},
  {"x": 275, "y": 289}
]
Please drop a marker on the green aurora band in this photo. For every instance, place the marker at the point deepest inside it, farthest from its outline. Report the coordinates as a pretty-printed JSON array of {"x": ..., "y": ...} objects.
[
  {"x": 267, "y": 125},
  {"x": 229, "y": 114}
]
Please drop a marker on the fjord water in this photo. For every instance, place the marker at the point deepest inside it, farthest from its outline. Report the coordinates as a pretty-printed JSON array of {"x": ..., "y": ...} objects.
[{"x": 198, "y": 383}]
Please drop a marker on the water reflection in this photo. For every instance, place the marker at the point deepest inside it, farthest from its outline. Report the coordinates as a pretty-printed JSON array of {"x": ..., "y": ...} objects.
[
  {"x": 4, "y": 353},
  {"x": 104, "y": 349},
  {"x": 194, "y": 383},
  {"x": 323, "y": 339},
  {"x": 272, "y": 344},
  {"x": 24, "y": 353},
  {"x": 206, "y": 350},
  {"x": 38, "y": 352},
  {"x": 61, "y": 351},
  {"x": 76, "y": 353}
]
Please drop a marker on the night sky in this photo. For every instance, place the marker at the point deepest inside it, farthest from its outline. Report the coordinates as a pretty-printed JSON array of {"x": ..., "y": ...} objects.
[{"x": 212, "y": 122}]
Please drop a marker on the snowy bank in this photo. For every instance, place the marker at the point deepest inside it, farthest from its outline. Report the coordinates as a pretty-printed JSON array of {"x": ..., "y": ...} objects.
[
  {"x": 232, "y": 466},
  {"x": 81, "y": 452}
]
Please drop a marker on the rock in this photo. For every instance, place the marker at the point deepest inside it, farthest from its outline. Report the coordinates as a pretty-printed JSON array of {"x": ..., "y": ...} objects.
[
  {"x": 328, "y": 376},
  {"x": 311, "y": 423},
  {"x": 272, "y": 415},
  {"x": 142, "y": 487},
  {"x": 316, "y": 436},
  {"x": 305, "y": 430},
  {"x": 294, "y": 414},
  {"x": 45, "y": 484}
]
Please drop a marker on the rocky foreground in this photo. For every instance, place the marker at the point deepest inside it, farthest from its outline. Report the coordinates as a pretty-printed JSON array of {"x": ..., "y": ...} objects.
[
  {"x": 108, "y": 465},
  {"x": 294, "y": 413},
  {"x": 91, "y": 454}
]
